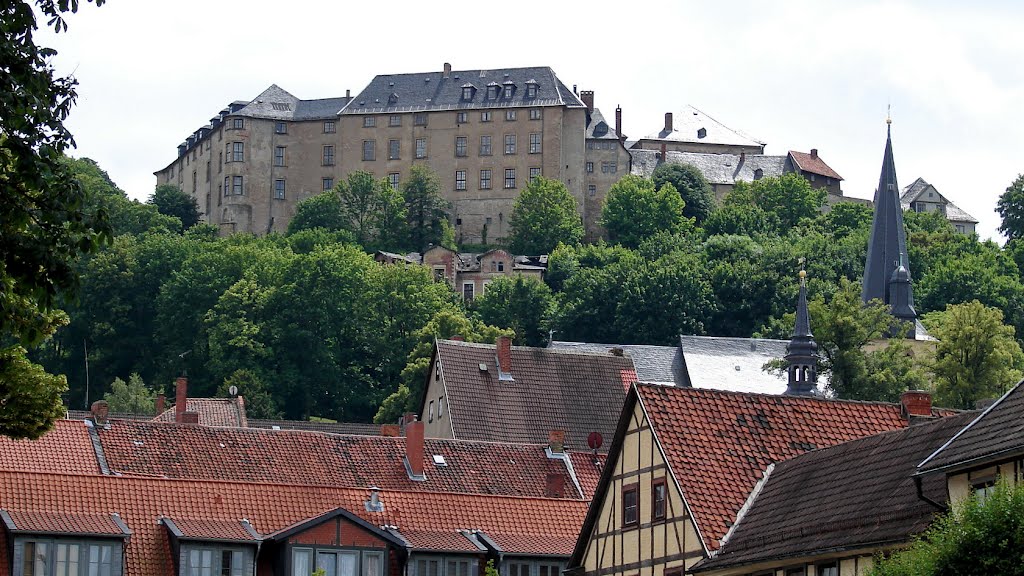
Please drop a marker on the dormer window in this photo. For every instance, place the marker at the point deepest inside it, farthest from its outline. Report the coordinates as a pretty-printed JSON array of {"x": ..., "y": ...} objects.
[
  {"x": 531, "y": 89},
  {"x": 758, "y": 174},
  {"x": 702, "y": 133},
  {"x": 392, "y": 98},
  {"x": 507, "y": 90},
  {"x": 492, "y": 91},
  {"x": 467, "y": 92}
]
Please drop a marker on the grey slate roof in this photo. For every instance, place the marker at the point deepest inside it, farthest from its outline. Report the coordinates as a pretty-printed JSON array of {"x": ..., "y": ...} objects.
[
  {"x": 598, "y": 128},
  {"x": 716, "y": 168},
  {"x": 276, "y": 103},
  {"x": 654, "y": 364},
  {"x": 431, "y": 91},
  {"x": 997, "y": 433},
  {"x": 686, "y": 124},
  {"x": 856, "y": 495},
  {"x": 953, "y": 212},
  {"x": 732, "y": 363}
]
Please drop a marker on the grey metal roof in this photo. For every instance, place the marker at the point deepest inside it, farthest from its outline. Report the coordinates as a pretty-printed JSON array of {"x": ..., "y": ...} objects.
[
  {"x": 598, "y": 128},
  {"x": 690, "y": 120},
  {"x": 276, "y": 103},
  {"x": 953, "y": 212},
  {"x": 732, "y": 363},
  {"x": 654, "y": 364},
  {"x": 716, "y": 168},
  {"x": 432, "y": 91}
]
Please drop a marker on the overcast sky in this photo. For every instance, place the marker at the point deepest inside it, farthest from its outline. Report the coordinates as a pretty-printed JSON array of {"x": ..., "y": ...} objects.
[{"x": 797, "y": 75}]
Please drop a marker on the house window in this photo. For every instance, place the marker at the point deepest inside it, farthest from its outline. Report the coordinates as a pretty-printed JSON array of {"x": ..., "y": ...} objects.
[
  {"x": 460, "y": 567},
  {"x": 430, "y": 416},
  {"x": 394, "y": 120},
  {"x": 393, "y": 148},
  {"x": 535, "y": 114},
  {"x": 280, "y": 128},
  {"x": 509, "y": 89},
  {"x": 960, "y": 228},
  {"x": 467, "y": 295},
  {"x": 337, "y": 562},
  {"x": 485, "y": 116},
  {"x": 393, "y": 180},
  {"x": 510, "y": 143},
  {"x": 531, "y": 90},
  {"x": 830, "y": 569},
  {"x": 430, "y": 566},
  {"x": 795, "y": 571},
  {"x": 510, "y": 177},
  {"x": 438, "y": 274},
  {"x": 590, "y": 167},
  {"x": 492, "y": 91},
  {"x": 421, "y": 147},
  {"x": 419, "y": 119},
  {"x": 501, "y": 266},
  {"x": 214, "y": 561},
  {"x": 630, "y": 505},
  {"x": 485, "y": 145},
  {"x": 236, "y": 185},
  {"x": 279, "y": 156},
  {"x": 460, "y": 146},
  {"x": 485, "y": 179},
  {"x": 328, "y": 158},
  {"x": 328, "y": 183},
  {"x": 67, "y": 558},
  {"x": 460, "y": 179},
  {"x": 369, "y": 121},
  {"x": 609, "y": 167},
  {"x": 534, "y": 174},
  {"x": 369, "y": 150},
  {"x": 658, "y": 495},
  {"x": 237, "y": 151},
  {"x": 220, "y": 163},
  {"x": 534, "y": 143},
  {"x": 467, "y": 92},
  {"x": 461, "y": 117},
  {"x": 329, "y": 127},
  {"x": 510, "y": 115},
  {"x": 758, "y": 174},
  {"x": 592, "y": 190},
  {"x": 227, "y": 185},
  {"x": 279, "y": 189},
  {"x": 238, "y": 123}
]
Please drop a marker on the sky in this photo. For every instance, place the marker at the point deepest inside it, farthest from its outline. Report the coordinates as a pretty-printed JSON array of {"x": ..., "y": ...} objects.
[{"x": 794, "y": 74}]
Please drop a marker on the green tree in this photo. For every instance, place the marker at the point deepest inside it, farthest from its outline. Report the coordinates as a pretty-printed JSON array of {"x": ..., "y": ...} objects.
[
  {"x": 172, "y": 201},
  {"x": 132, "y": 397},
  {"x": 976, "y": 356},
  {"x": 1011, "y": 209},
  {"x": 392, "y": 224},
  {"x": 693, "y": 188},
  {"x": 591, "y": 278},
  {"x": 741, "y": 219},
  {"x": 521, "y": 304},
  {"x": 30, "y": 396},
  {"x": 790, "y": 197},
  {"x": 320, "y": 211},
  {"x": 663, "y": 299},
  {"x": 977, "y": 536},
  {"x": 424, "y": 207},
  {"x": 635, "y": 210},
  {"x": 359, "y": 199},
  {"x": 544, "y": 214},
  {"x": 248, "y": 384},
  {"x": 847, "y": 218},
  {"x": 126, "y": 216}
]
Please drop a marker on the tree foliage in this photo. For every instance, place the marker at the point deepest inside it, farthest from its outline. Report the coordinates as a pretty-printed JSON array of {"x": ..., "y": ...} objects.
[
  {"x": 172, "y": 201},
  {"x": 635, "y": 210},
  {"x": 521, "y": 304},
  {"x": 425, "y": 209},
  {"x": 1011, "y": 209},
  {"x": 131, "y": 397},
  {"x": 693, "y": 188},
  {"x": 544, "y": 214}
]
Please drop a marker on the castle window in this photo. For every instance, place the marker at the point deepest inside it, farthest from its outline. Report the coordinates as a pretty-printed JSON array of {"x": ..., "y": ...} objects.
[
  {"x": 535, "y": 143},
  {"x": 419, "y": 119},
  {"x": 369, "y": 121},
  {"x": 279, "y": 189},
  {"x": 369, "y": 150},
  {"x": 460, "y": 179},
  {"x": 534, "y": 174},
  {"x": 485, "y": 179},
  {"x": 280, "y": 128},
  {"x": 535, "y": 114},
  {"x": 329, "y": 127},
  {"x": 510, "y": 115},
  {"x": 394, "y": 120},
  {"x": 327, "y": 183},
  {"x": 510, "y": 178},
  {"x": 394, "y": 146},
  {"x": 485, "y": 145},
  {"x": 485, "y": 116},
  {"x": 460, "y": 145},
  {"x": 328, "y": 156},
  {"x": 461, "y": 117},
  {"x": 393, "y": 178},
  {"x": 279, "y": 156},
  {"x": 238, "y": 123},
  {"x": 421, "y": 147},
  {"x": 510, "y": 143}
]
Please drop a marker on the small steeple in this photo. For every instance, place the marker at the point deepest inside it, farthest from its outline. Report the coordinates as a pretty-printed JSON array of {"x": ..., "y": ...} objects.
[
  {"x": 901, "y": 304},
  {"x": 802, "y": 351}
]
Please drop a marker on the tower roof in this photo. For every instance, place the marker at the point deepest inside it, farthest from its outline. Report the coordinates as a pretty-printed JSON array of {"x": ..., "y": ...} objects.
[{"x": 802, "y": 351}]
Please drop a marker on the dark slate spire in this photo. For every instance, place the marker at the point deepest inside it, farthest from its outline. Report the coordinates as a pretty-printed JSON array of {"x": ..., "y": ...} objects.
[
  {"x": 887, "y": 247},
  {"x": 901, "y": 297},
  {"x": 802, "y": 351}
]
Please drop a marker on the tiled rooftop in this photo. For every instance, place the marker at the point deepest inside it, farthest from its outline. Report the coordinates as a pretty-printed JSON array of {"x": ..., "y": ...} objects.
[
  {"x": 360, "y": 428},
  {"x": 208, "y": 529},
  {"x": 544, "y": 394},
  {"x": 61, "y": 522},
  {"x": 814, "y": 164},
  {"x": 735, "y": 364},
  {"x": 857, "y": 494},
  {"x": 67, "y": 447},
  {"x": 661, "y": 364},
  {"x": 718, "y": 443},
  {"x": 212, "y": 411}
]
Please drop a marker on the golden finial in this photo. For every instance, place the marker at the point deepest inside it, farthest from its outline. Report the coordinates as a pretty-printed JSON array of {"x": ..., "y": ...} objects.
[
  {"x": 888, "y": 114},
  {"x": 802, "y": 274}
]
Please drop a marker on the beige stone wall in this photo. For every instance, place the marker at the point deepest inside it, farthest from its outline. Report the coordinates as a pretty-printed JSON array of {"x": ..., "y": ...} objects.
[
  {"x": 605, "y": 162},
  {"x": 436, "y": 420},
  {"x": 650, "y": 547},
  {"x": 960, "y": 485}
]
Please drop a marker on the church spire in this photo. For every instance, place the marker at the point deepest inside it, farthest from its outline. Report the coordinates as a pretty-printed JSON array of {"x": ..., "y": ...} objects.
[
  {"x": 802, "y": 351},
  {"x": 887, "y": 246}
]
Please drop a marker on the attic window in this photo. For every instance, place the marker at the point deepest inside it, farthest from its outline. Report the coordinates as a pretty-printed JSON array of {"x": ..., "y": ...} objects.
[
  {"x": 393, "y": 98},
  {"x": 702, "y": 133},
  {"x": 508, "y": 90},
  {"x": 531, "y": 89},
  {"x": 492, "y": 91},
  {"x": 283, "y": 106},
  {"x": 439, "y": 460},
  {"x": 467, "y": 92},
  {"x": 758, "y": 174}
]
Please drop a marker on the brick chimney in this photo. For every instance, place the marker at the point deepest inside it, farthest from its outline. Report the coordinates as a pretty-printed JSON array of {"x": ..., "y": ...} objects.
[
  {"x": 503, "y": 351},
  {"x": 390, "y": 430},
  {"x": 916, "y": 403},
  {"x": 668, "y": 121},
  {"x": 587, "y": 96},
  {"x": 447, "y": 70},
  {"x": 100, "y": 411},
  {"x": 189, "y": 418},
  {"x": 618, "y": 123},
  {"x": 180, "y": 398},
  {"x": 161, "y": 404},
  {"x": 814, "y": 152},
  {"x": 556, "y": 441},
  {"x": 555, "y": 485},
  {"x": 414, "y": 450}
]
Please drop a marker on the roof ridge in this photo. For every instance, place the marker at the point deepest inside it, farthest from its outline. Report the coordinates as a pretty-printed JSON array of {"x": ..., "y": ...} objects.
[
  {"x": 684, "y": 389},
  {"x": 484, "y": 345}
]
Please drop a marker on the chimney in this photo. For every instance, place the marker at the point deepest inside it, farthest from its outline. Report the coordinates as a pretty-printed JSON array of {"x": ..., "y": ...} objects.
[
  {"x": 668, "y": 121},
  {"x": 814, "y": 152},
  {"x": 743, "y": 157},
  {"x": 588, "y": 99},
  {"x": 414, "y": 450},
  {"x": 189, "y": 418},
  {"x": 916, "y": 403},
  {"x": 503, "y": 350},
  {"x": 348, "y": 93},
  {"x": 389, "y": 430},
  {"x": 161, "y": 404},
  {"x": 458, "y": 338},
  {"x": 664, "y": 152},
  {"x": 447, "y": 70},
  {"x": 556, "y": 441},
  {"x": 180, "y": 398},
  {"x": 555, "y": 485},
  {"x": 618, "y": 122},
  {"x": 100, "y": 411},
  {"x": 574, "y": 90},
  {"x": 374, "y": 504}
]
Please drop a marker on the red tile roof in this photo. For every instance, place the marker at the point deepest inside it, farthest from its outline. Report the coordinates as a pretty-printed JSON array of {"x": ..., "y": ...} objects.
[
  {"x": 66, "y": 448},
  {"x": 813, "y": 164},
  {"x": 718, "y": 443},
  {"x": 62, "y": 523},
  {"x": 544, "y": 394},
  {"x": 518, "y": 525},
  {"x": 301, "y": 457},
  {"x": 588, "y": 467},
  {"x": 212, "y": 411},
  {"x": 207, "y": 529}
]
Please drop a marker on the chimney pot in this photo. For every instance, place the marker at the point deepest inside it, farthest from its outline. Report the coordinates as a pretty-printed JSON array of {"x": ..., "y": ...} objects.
[
  {"x": 814, "y": 152},
  {"x": 504, "y": 353},
  {"x": 161, "y": 404},
  {"x": 447, "y": 70},
  {"x": 618, "y": 123},
  {"x": 556, "y": 441},
  {"x": 414, "y": 449},
  {"x": 574, "y": 89},
  {"x": 916, "y": 403},
  {"x": 180, "y": 398},
  {"x": 668, "y": 121},
  {"x": 348, "y": 93},
  {"x": 587, "y": 96},
  {"x": 100, "y": 411}
]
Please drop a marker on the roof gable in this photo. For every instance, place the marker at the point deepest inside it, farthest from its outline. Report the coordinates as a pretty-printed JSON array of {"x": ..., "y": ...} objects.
[
  {"x": 690, "y": 123},
  {"x": 813, "y": 163}
]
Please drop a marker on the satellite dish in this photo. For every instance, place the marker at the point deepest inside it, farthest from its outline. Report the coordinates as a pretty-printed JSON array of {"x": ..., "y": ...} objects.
[
  {"x": 594, "y": 440},
  {"x": 233, "y": 390}
]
